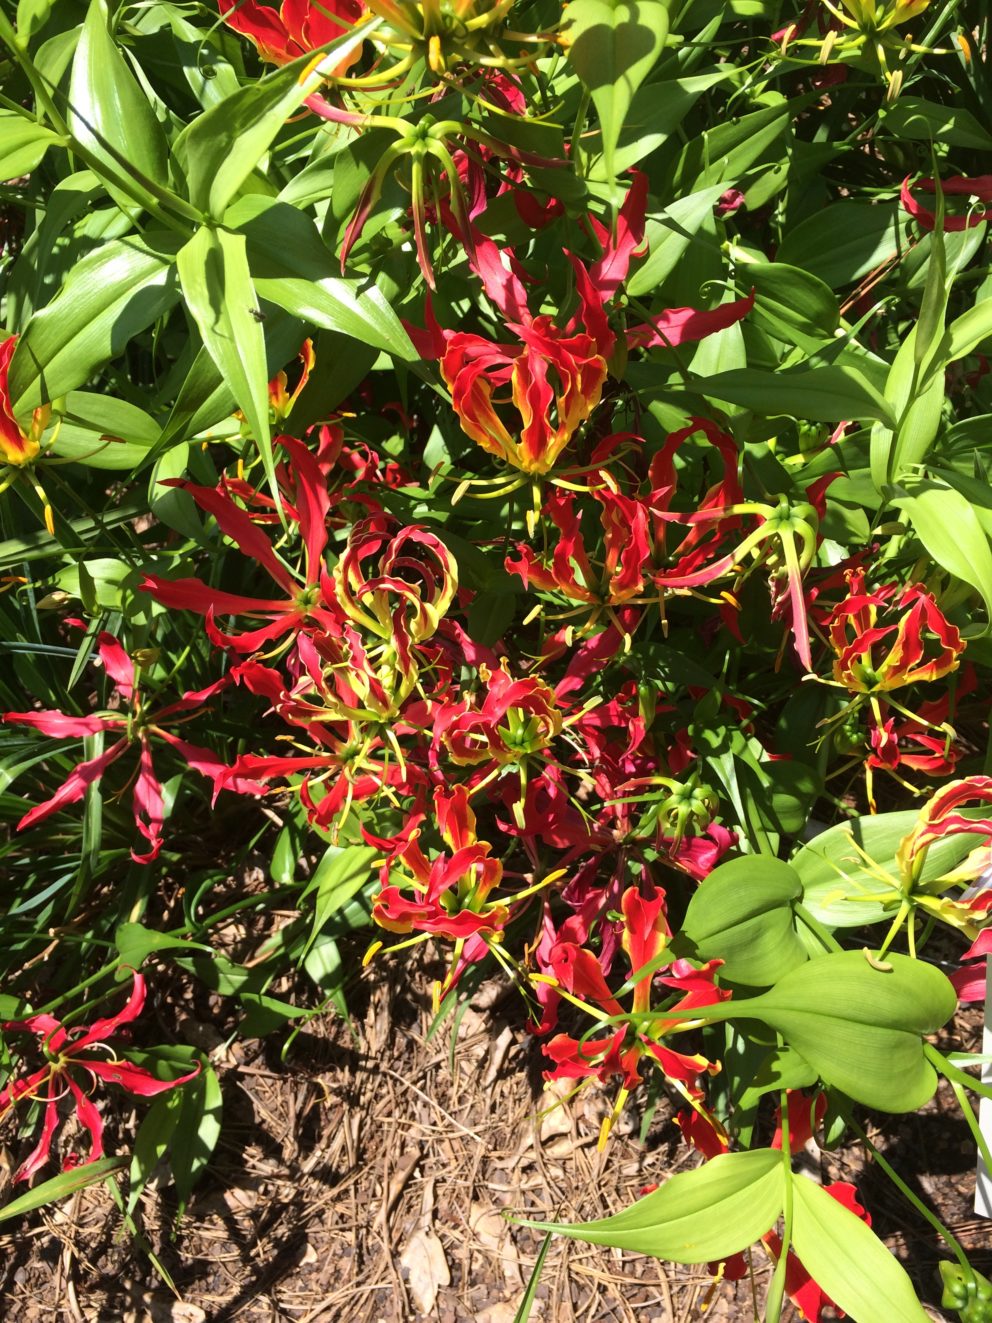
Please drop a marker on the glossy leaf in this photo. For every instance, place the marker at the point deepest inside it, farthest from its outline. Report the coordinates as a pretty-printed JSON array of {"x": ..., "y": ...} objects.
[
  {"x": 110, "y": 114},
  {"x": 213, "y": 268},
  {"x": 831, "y": 394},
  {"x": 291, "y": 267},
  {"x": 340, "y": 875},
  {"x": 105, "y": 433},
  {"x": 66, "y": 1183},
  {"x": 859, "y": 1027},
  {"x": 121, "y": 288},
  {"x": 948, "y": 527},
  {"x": 742, "y": 914},
  {"x": 842, "y": 889},
  {"x": 697, "y": 1216},
  {"x": 23, "y": 144},
  {"x": 612, "y": 46},
  {"x": 847, "y": 1260},
  {"x": 225, "y": 144}
]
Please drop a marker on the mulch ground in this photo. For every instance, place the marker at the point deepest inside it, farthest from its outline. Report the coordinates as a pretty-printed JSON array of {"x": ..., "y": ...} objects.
[{"x": 365, "y": 1178}]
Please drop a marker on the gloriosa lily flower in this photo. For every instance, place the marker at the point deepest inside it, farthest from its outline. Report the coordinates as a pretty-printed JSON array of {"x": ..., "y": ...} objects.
[
  {"x": 20, "y": 449},
  {"x": 296, "y": 27},
  {"x": 452, "y": 890},
  {"x": 129, "y": 727},
  {"x": 524, "y": 401},
  {"x": 619, "y": 1053},
  {"x": 70, "y": 1056},
  {"x": 976, "y": 189},
  {"x": 305, "y": 500}
]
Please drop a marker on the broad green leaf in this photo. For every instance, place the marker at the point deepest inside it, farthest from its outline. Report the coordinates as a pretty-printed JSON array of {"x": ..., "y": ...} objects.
[
  {"x": 697, "y": 1216},
  {"x": 742, "y": 914},
  {"x": 790, "y": 300},
  {"x": 669, "y": 235},
  {"x": 966, "y": 333},
  {"x": 948, "y": 527},
  {"x": 224, "y": 145},
  {"x": 292, "y": 268},
  {"x": 109, "y": 113},
  {"x": 842, "y": 889},
  {"x": 32, "y": 15},
  {"x": 727, "y": 149},
  {"x": 105, "y": 433},
  {"x": 67, "y": 1182},
  {"x": 135, "y": 943},
  {"x": 111, "y": 295},
  {"x": 152, "y": 1140},
  {"x": 848, "y": 1261},
  {"x": 213, "y": 269},
  {"x": 859, "y": 1027},
  {"x": 264, "y": 1014},
  {"x": 205, "y": 399},
  {"x": 928, "y": 121},
  {"x": 844, "y": 241},
  {"x": 829, "y": 394},
  {"x": 23, "y": 143},
  {"x": 340, "y": 875},
  {"x": 655, "y": 113},
  {"x": 613, "y": 45},
  {"x": 197, "y": 1133}
]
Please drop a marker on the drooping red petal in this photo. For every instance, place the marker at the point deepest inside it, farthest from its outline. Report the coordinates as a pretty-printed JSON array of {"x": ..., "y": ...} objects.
[
  {"x": 116, "y": 663},
  {"x": 195, "y": 595},
  {"x": 60, "y": 725},
  {"x": 100, "y": 1030},
  {"x": 74, "y": 787},
  {"x": 679, "y": 326},
  {"x": 236, "y": 524},
  {"x": 135, "y": 1079},
  {"x": 38, "y": 1156},
  {"x": 149, "y": 809},
  {"x": 89, "y": 1118}
]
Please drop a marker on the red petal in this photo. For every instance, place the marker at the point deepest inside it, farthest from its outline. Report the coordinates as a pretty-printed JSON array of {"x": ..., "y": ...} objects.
[
  {"x": 58, "y": 724},
  {"x": 74, "y": 787}
]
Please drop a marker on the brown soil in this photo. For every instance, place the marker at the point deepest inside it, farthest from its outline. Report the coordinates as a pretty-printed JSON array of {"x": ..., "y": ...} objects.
[{"x": 367, "y": 1175}]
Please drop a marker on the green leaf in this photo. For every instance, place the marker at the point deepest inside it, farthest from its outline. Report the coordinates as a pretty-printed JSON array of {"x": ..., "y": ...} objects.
[
  {"x": 848, "y": 1261},
  {"x": 23, "y": 143},
  {"x": 292, "y": 268},
  {"x": 116, "y": 291},
  {"x": 67, "y": 1182},
  {"x": 948, "y": 527},
  {"x": 742, "y": 914},
  {"x": 213, "y": 269},
  {"x": 197, "y": 1133},
  {"x": 105, "y": 433},
  {"x": 612, "y": 46},
  {"x": 726, "y": 150},
  {"x": 110, "y": 115},
  {"x": 859, "y": 1027},
  {"x": 152, "y": 1140},
  {"x": 966, "y": 333},
  {"x": 264, "y": 1014},
  {"x": 697, "y": 1216},
  {"x": 842, "y": 889},
  {"x": 790, "y": 300},
  {"x": 844, "y": 241},
  {"x": 670, "y": 235},
  {"x": 655, "y": 113},
  {"x": 340, "y": 875},
  {"x": 830, "y": 394},
  {"x": 224, "y": 145},
  {"x": 135, "y": 943},
  {"x": 927, "y": 121}
]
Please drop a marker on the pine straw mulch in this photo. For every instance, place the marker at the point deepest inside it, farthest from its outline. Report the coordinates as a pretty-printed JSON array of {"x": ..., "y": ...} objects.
[{"x": 364, "y": 1179}]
